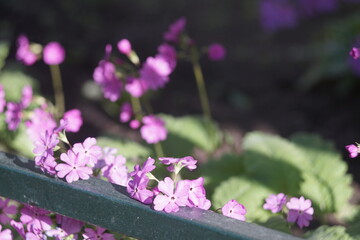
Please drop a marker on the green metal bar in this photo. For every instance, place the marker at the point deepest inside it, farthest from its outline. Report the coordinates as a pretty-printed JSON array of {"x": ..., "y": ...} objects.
[{"x": 108, "y": 205}]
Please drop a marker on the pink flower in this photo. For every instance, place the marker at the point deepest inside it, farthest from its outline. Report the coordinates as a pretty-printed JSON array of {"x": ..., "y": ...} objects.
[
  {"x": 126, "y": 112},
  {"x": 69, "y": 225},
  {"x": 275, "y": 203},
  {"x": 124, "y": 46},
  {"x": 74, "y": 168},
  {"x": 137, "y": 188},
  {"x": 13, "y": 115},
  {"x": 216, "y": 52},
  {"x": 89, "y": 150},
  {"x": 73, "y": 120},
  {"x": 24, "y": 53},
  {"x": 178, "y": 163},
  {"x": 196, "y": 191},
  {"x": 97, "y": 234},
  {"x": 355, "y": 53},
  {"x": 44, "y": 148},
  {"x": 153, "y": 130},
  {"x": 168, "y": 53},
  {"x": 54, "y": 53},
  {"x": 5, "y": 210},
  {"x": 353, "y": 150},
  {"x": 27, "y": 95},
  {"x": 300, "y": 211},
  {"x": 19, "y": 227},
  {"x": 105, "y": 76},
  {"x": 2, "y": 99},
  {"x": 155, "y": 72},
  {"x": 134, "y": 124},
  {"x": 117, "y": 172},
  {"x": 40, "y": 121},
  {"x": 235, "y": 210},
  {"x": 175, "y": 30},
  {"x": 147, "y": 167},
  {"x": 170, "y": 201},
  {"x": 6, "y": 234},
  {"x": 37, "y": 219},
  {"x": 135, "y": 86}
]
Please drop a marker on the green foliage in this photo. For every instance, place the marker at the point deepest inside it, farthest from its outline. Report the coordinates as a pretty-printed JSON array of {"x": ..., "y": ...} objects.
[
  {"x": 329, "y": 233},
  {"x": 13, "y": 83},
  {"x": 353, "y": 228},
  {"x": 186, "y": 132},
  {"x": 4, "y": 52},
  {"x": 277, "y": 223},
  {"x": 246, "y": 191},
  {"x": 307, "y": 166}
]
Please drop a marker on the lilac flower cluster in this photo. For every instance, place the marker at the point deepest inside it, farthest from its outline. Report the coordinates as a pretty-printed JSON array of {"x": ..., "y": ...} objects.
[
  {"x": 299, "y": 209},
  {"x": 35, "y": 223},
  {"x": 353, "y": 150}
]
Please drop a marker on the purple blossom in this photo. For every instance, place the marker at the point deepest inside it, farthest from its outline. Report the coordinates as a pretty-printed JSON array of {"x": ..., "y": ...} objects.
[
  {"x": 134, "y": 124},
  {"x": 277, "y": 14},
  {"x": 137, "y": 188},
  {"x": 2, "y": 99},
  {"x": 175, "y": 30},
  {"x": 275, "y": 203},
  {"x": 46, "y": 143},
  {"x": 90, "y": 151},
  {"x": 300, "y": 211},
  {"x": 355, "y": 53},
  {"x": 155, "y": 72},
  {"x": 147, "y": 167},
  {"x": 170, "y": 200},
  {"x": 353, "y": 150},
  {"x": 107, "y": 158},
  {"x": 176, "y": 164},
  {"x": 108, "y": 50},
  {"x": 216, "y": 52},
  {"x": 235, "y": 210},
  {"x": 74, "y": 168},
  {"x": 27, "y": 95},
  {"x": 24, "y": 53},
  {"x": 196, "y": 191},
  {"x": 105, "y": 76},
  {"x": 5, "y": 210},
  {"x": 135, "y": 86},
  {"x": 54, "y": 53},
  {"x": 69, "y": 225},
  {"x": 126, "y": 112},
  {"x": 5, "y": 234},
  {"x": 36, "y": 219},
  {"x": 153, "y": 130},
  {"x": 168, "y": 53},
  {"x": 13, "y": 115},
  {"x": 46, "y": 164},
  {"x": 124, "y": 46},
  {"x": 73, "y": 120},
  {"x": 19, "y": 227},
  {"x": 97, "y": 234},
  {"x": 117, "y": 172},
  {"x": 39, "y": 121}
]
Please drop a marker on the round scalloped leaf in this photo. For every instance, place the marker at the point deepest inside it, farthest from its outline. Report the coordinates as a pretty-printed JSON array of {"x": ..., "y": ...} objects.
[
  {"x": 329, "y": 233},
  {"x": 247, "y": 192}
]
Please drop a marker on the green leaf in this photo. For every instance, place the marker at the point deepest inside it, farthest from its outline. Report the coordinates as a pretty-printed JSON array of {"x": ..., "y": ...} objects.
[
  {"x": 326, "y": 182},
  {"x": 218, "y": 170},
  {"x": 13, "y": 83},
  {"x": 126, "y": 148},
  {"x": 4, "y": 52},
  {"x": 277, "y": 223},
  {"x": 354, "y": 225},
  {"x": 329, "y": 233},
  {"x": 247, "y": 192},
  {"x": 274, "y": 162},
  {"x": 186, "y": 132}
]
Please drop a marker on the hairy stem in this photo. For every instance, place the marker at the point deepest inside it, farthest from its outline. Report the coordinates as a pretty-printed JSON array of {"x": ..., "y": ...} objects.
[{"x": 58, "y": 90}]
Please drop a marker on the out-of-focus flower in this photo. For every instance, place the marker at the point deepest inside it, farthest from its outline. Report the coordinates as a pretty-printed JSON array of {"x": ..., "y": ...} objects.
[
  {"x": 176, "y": 164},
  {"x": 117, "y": 172},
  {"x": 5, "y": 234},
  {"x": 175, "y": 30},
  {"x": 355, "y": 53},
  {"x": 216, "y": 52},
  {"x": 153, "y": 130},
  {"x": 234, "y": 209},
  {"x": 134, "y": 124},
  {"x": 24, "y": 53},
  {"x": 277, "y": 14},
  {"x": 168, "y": 53},
  {"x": 353, "y": 150},
  {"x": 126, "y": 112},
  {"x": 2, "y": 99},
  {"x": 300, "y": 211},
  {"x": 155, "y": 72},
  {"x": 73, "y": 120},
  {"x": 97, "y": 234},
  {"x": 54, "y": 53},
  {"x": 5, "y": 210},
  {"x": 124, "y": 46},
  {"x": 13, "y": 115},
  {"x": 27, "y": 95},
  {"x": 135, "y": 86},
  {"x": 275, "y": 203},
  {"x": 40, "y": 121}
]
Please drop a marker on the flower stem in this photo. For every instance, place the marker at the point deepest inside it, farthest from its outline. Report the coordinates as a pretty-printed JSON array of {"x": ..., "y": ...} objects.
[
  {"x": 159, "y": 150},
  {"x": 200, "y": 84},
  {"x": 58, "y": 89},
  {"x": 136, "y": 105}
]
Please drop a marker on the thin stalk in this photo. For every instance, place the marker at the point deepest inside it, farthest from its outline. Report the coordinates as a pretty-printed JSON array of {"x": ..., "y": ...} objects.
[
  {"x": 199, "y": 77},
  {"x": 159, "y": 150},
  {"x": 58, "y": 89},
  {"x": 136, "y": 105}
]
